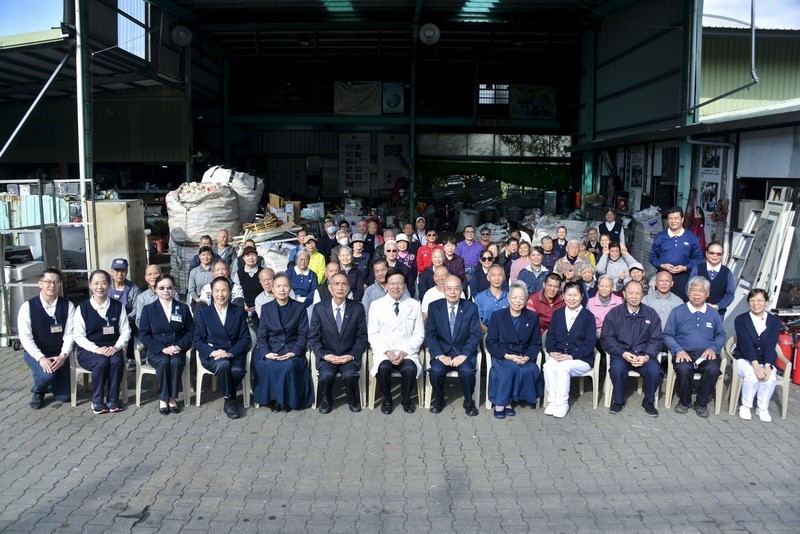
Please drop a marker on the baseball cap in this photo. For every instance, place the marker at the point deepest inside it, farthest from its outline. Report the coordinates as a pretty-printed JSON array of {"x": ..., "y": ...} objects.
[
  {"x": 248, "y": 250},
  {"x": 119, "y": 264}
]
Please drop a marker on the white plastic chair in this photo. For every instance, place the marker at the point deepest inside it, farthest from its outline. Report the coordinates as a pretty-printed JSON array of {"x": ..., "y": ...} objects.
[
  {"x": 75, "y": 369},
  {"x": 426, "y": 365},
  {"x": 608, "y": 387},
  {"x": 489, "y": 368},
  {"x": 143, "y": 368},
  {"x": 373, "y": 383},
  {"x": 593, "y": 373},
  {"x": 202, "y": 371},
  {"x": 362, "y": 378},
  {"x": 718, "y": 387},
  {"x": 735, "y": 389}
]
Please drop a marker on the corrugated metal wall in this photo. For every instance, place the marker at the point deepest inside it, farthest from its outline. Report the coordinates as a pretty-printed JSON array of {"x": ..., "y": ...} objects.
[
  {"x": 285, "y": 156},
  {"x": 147, "y": 125},
  {"x": 726, "y": 66},
  {"x": 638, "y": 69}
]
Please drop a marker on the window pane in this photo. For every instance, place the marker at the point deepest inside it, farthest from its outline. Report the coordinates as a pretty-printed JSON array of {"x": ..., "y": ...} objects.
[{"x": 132, "y": 36}]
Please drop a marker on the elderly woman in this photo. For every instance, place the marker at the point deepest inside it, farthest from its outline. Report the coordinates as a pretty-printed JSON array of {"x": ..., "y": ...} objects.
[
  {"x": 569, "y": 265},
  {"x": 302, "y": 279},
  {"x": 603, "y": 301},
  {"x": 360, "y": 258},
  {"x": 480, "y": 278},
  {"x": 354, "y": 275},
  {"x": 756, "y": 336},
  {"x": 101, "y": 333},
  {"x": 426, "y": 281},
  {"x": 514, "y": 341},
  {"x": 534, "y": 273},
  {"x": 453, "y": 262},
  {"x": 283, "y": 377},
  {"x": 404, "y": 254},
  {"x": 222, "y": 339},
  {"x": 520, "y": 263},
  {"x": 166, "y": 329},
  {"x": 570, "y": 349},
  {"x": 373, "y": 238},
  {"x": 342, "y": 240},
  {"x": 587, "y": 282}
]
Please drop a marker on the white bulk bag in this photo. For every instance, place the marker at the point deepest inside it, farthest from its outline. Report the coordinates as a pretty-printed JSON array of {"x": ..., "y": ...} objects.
[
  {"x": 248, "y": 187},
  {"x": 198, "y": 209}
]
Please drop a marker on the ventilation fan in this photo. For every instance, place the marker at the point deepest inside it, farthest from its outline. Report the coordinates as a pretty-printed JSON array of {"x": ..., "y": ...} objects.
[
  {"x": 181, "y": 35},
  {"x": 429, "y": 33}
]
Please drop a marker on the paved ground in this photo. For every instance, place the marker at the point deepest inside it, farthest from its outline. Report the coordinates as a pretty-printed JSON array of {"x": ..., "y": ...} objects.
[{"x": 65, "y": 470}]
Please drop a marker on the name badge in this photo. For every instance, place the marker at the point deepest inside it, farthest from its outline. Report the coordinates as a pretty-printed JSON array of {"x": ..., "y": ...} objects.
[
  {"x": 177, "y": 318},
  {"x": 108, "y": 330},
  {"x": 56, "y": 328}
]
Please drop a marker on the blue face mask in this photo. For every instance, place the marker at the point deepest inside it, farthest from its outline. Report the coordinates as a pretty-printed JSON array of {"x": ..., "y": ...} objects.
[
  {"x": 331, "y": 230},
  {"x": 344, "y": 241}
]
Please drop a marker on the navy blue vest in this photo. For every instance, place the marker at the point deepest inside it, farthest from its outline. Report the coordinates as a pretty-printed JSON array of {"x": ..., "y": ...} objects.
[
  {"x": 49, "y": 343},
  {"x": 251, "y": 287},
  {"x": 95, "y": 324},
  {"x": 718, "y": 285},
  {"x": 614, "y": 233}
]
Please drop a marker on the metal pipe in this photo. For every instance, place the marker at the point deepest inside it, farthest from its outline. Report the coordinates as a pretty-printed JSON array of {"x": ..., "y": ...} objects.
[
  {"x": 696, "y": 29},
  {"x": 692, "y": 141},
  {"x": 44, "y": 89},
  {"x": 753, "y": 41}
]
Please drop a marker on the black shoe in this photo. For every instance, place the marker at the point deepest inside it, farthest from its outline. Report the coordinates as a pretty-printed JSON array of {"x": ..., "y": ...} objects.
[
  {"x": 435, "y": 408},
  {"x": 175, "y": 409},
  {"x": 409, "y": 407},
  {"x": 230, "y": 408},
  {"x": 37, "y": 401},
  {"x": 702, "y": 411},
  {"x": 681, "y": 408},
  {"x": 615, "y": 408},
  {"x": 471, "y": 411},
  {"x": 163, "y": 410},
  {"x": 387, "y": 407},
  {"x": 286, "y": 408},
  {"x": 355, "y": 408},
  {"x": 325, "y": 408},
  {"x": 649, "y": 409},
  {"x": 275, "y": 407}
]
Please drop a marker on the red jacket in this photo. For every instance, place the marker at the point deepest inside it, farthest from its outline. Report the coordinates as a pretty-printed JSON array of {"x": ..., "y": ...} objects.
[{"x": 544, "y": 309}]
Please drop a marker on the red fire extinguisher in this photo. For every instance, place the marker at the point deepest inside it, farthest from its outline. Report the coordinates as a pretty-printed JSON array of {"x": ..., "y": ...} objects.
[{"x": 785, "y": 342}]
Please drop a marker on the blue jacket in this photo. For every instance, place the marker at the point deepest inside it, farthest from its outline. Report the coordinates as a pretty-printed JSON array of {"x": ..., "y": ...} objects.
[
  {"x": 680, "y": 250},
  {"x": 282, "y": 332},
  {"x": 210, "y": 334},
  {"x": 156, "y": 332},
  {"x": 752, "y": 347},
  {"x": 640, "y": 333},
  {"x": 502, "y": 338},
  {"x": 694, "y": 331},
  {"x": 579, "y": 341},
  {"x": 324, "y": 338},
  {"x": 466, "y": 334}
]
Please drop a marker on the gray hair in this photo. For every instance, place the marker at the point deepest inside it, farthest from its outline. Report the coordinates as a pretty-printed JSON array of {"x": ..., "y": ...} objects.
[
  {"x": 344, "y": 248},
  {"x": 585, "y": 267},
  {"x": 571, "y": 241},
  {"x": 605, "y": 277},
  {"x": 517, "y": 284},
  {"x": 303, "y": 253},
  {"x": 699, "y": 281},
  {"x": 342, "y": 232}
]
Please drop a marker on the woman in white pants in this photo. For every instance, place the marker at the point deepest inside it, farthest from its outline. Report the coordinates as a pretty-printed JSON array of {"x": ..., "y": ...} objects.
[
  {"x": 570, "y": 349},
  {"x": 756, "y": 336}
]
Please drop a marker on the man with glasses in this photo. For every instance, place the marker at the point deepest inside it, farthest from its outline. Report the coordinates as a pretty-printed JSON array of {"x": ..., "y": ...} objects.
[
  {"x": 719, "y": 276},
  {"x": 486, "y": 237},
  {"x": 470, "y": 251},
  {"x": 378, "y": 289},
  {"x": 546, "y": 301},
  {"x": 391, "y": 251},
  {"x": 453, "y": 334},
  {"x": 45, "y": 331},
  {"x": 396, "y": 332},
  {"x": 424, "y": 253}
]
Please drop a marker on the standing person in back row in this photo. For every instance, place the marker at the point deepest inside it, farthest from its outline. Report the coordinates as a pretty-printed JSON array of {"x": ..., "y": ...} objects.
[
  {"x": 676, "y": 251},
  {"x": 611, "y": 227},
  {"x": 126, "y": 292},
  {"x": 719, "y": 276}
]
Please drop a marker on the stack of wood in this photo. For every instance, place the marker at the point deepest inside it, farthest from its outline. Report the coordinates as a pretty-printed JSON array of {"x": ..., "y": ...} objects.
[{"x": 270, "y": 222}]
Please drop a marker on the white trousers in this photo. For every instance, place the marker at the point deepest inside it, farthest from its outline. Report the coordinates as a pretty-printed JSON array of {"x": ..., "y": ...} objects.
[
  {"x": 752, "y": 385},
  {"x": 557, "y": 375}
]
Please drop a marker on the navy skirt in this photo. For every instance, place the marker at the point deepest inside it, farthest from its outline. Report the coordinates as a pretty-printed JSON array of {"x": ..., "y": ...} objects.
[{"x": 287, "y": 382}]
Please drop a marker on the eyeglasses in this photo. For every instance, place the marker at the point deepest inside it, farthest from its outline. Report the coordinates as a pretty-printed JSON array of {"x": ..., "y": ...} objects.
[
  {"x": 714, "y": 253},
  {"x": 391, "y": 250},
  {"x": 51, "y": 282},
  {"x": 432, "y": 233},
  {"x": 487, "y": 258},
  {"x": 164, "y": 288},
  {"x": 485, "y": 233}
]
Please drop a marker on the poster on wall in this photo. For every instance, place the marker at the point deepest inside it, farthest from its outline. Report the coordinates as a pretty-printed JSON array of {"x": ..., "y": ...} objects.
[
  {"x": 357, "y": 98},
  {"x": 394, "y": 97},
  {"x": 392, "y": 154},
  {"x": 354, "y": 156},
  {"x": 708, "y": 196},
  {"x": 711, "y": 163},
  {"x": 635, "y": 167},
  {"x": 532, "y": 101}
]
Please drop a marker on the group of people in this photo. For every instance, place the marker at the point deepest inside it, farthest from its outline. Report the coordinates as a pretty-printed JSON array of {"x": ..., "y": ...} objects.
[{"x": 338, "y": 315}]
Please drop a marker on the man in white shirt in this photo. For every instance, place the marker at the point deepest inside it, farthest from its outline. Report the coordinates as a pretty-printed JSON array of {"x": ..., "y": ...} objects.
[
  {"x": 45, "y": 327},
  {"x": 396, "y": 332},
  {"x": 377, "y": 290},
  {"x": 220, "y": 268},
  {"x": 436, "y": 292}
]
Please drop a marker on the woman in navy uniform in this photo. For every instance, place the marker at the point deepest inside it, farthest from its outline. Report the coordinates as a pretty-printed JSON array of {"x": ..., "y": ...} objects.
[
  {"x": 283, "y": 377},
  {"x": 101, "y": 333},
  {"x": 166, "y": 329},
  {"x": 514, "y": 342}
]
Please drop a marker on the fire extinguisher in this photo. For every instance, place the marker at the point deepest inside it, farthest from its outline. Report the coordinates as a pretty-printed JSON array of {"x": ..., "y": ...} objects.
[{"x": 785, "y": 342}]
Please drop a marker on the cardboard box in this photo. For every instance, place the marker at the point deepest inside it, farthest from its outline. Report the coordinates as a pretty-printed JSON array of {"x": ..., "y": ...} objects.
[{"x": 292, "y": 207}]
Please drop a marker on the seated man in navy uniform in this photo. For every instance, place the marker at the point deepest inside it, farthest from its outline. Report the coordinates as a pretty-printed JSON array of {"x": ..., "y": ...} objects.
[
  {"x": 453, "y": 333},
  {"x": 45, "y": 331},
  {"x": 338, "y": 337}
]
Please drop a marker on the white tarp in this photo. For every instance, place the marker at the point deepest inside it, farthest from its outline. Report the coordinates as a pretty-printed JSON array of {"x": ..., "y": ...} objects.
[
  {"x": 248, "y": 187},
  {"x": 197, "y": 209}
]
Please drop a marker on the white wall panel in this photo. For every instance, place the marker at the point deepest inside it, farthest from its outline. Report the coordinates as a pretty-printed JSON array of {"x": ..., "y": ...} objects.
[{"x": 770, "y": 153}]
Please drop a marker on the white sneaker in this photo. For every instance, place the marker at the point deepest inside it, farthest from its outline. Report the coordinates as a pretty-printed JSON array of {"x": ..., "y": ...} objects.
[
  {"x": 561, "y": 410},
  {"x": 744, "y": 413},
  {"x": 550, "y": 408},
  {"x": 764, "y": 415}
]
